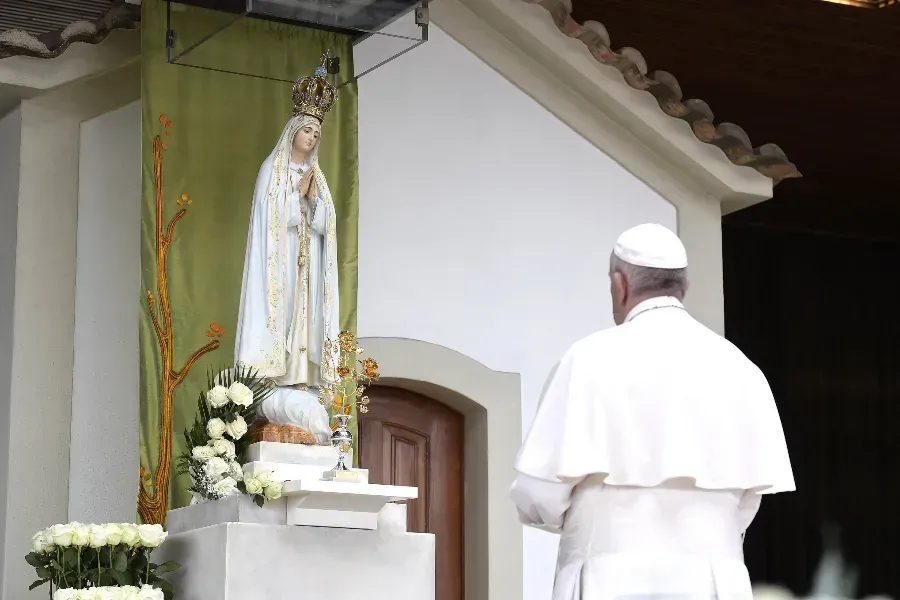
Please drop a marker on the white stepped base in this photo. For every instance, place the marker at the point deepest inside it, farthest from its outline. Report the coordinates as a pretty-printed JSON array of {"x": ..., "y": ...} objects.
[
  {"x": 339, "y": 504},
  {"x": 236, "y": 509},
  {"x": 242, "y": 509},
  {"x": 297, "y": 454},
  {"x": 272, "y": 562},
  {"x": 291, "y": 472}
]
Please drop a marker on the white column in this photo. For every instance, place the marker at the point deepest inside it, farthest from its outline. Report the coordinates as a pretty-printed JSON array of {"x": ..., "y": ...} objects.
[
  {"x": 10, "y": 144},
  {"x": 104, "y": 449},
  {"x": 36, "y": 465}
]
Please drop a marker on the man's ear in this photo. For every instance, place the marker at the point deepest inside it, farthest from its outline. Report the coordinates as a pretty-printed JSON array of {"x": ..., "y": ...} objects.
[{"x": 620, "y": 287}]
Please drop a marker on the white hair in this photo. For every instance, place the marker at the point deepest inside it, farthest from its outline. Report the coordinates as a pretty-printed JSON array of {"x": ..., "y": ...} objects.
[{"x": 644, "y": 281}]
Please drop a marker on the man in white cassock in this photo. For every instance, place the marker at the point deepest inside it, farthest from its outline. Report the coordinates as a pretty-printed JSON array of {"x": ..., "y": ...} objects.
[{"x": 652, "y": 446}]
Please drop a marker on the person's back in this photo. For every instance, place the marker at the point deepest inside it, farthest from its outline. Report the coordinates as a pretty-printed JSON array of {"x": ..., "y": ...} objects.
[{"x": 652, "y": 446}]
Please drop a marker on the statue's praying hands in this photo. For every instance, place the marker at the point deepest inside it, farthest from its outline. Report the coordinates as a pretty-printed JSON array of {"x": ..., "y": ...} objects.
[{"x": 307, "y": 185}]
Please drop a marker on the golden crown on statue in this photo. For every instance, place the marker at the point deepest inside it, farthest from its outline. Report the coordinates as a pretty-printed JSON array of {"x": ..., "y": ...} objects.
[{"x": 314, "y": 96}]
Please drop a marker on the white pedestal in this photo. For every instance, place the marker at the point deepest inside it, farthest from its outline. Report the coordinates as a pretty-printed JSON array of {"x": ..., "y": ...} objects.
[
  {"x": 298, "y": 454},
  {"x": 338, "y": 504},
  {"x": 288, "y": 462},
  {"x": 241, "y": 561}
]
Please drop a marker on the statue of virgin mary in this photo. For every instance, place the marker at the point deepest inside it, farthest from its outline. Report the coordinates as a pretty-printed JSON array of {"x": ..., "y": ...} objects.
[{"x": 289, "y": 292}]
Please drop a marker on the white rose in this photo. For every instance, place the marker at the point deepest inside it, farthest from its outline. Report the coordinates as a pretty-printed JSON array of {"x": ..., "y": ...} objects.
[
  {"x": 62, "y": 535},
  {"x": 202, "y": 452},
  {"x": 217, "y": 397},
  {"x": 253, "y": 486},
  {"x": 151, "y": 535},
  {"x": 226, "y": 487},
  {"x": 215, "y": 467},
  {"x": 235, "y": 470},
  {"x": 90, "y": 594},
  {"x": 112, "y": 593},
  {"x": 113, "y": 534},
  {"x": 48, "y": 540},
  {"x": 150, "y": 593},
  {"x": 240, "y": 394},
  {"x": 97, "y": 536},
  {"x": 223, "y": 447},
  {"x": 81, "y": 535},
  {"x": 237, "y": 428},
  {"x": 37, "y": 542},
  {"x": 66, "y": 594},
  {"x": 129, "y": 592},
  {"x": 215, "y": 428},
  {"x": 130, "y": 535},
  {"x": 264, "y": 477},
  {"x": 273, "y": 490}
]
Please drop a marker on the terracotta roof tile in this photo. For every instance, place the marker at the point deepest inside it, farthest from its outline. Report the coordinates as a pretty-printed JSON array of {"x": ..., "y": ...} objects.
[
  {"x": 52, "y": 43},
  {"x": 767, "y": 159}
]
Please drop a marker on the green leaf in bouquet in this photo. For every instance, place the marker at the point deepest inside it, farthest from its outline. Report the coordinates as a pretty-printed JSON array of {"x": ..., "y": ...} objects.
[
  {"x": 44, "y": 572},
  {"x": 259, "y": 499},
  {"x": 166, "y": 567},
  {"x": 38, "y": 583},
  {"x": 138, "y": 562},
  {"x": 36, "y": 560},
  {"x": 164, "y": 585},
  {"x": 203, "y": 407},
  {"x": 70, "y": 557},
  {"x": 120, "y": 561},
  {"x": 122, "y": 578}
]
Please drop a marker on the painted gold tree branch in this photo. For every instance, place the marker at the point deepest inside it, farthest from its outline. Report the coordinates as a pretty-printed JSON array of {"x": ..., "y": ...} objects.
[{"x": 152, "y": 504}]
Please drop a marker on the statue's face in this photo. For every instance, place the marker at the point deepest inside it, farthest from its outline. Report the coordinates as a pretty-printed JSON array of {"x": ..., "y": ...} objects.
[{"x": 307, "y": 137}]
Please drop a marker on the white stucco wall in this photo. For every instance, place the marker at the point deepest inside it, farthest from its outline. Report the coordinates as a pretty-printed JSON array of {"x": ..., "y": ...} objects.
[{"x": 485, "y": 225}]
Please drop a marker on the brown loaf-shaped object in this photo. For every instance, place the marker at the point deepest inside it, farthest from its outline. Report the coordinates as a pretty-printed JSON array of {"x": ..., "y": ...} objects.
[
  {"x": 297, "y": 435},
  {"x": 262, "y": 430},
  {"x": 265, "y": 432}
]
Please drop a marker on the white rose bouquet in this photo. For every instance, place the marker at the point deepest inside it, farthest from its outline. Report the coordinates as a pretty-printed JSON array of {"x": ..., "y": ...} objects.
[
  {"x": 100, "y": 562},
  {"x": 218, "y": 439}
]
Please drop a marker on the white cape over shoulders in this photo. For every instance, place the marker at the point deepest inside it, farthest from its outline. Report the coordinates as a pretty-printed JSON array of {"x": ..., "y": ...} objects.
[{"x": 658, "y": 398}]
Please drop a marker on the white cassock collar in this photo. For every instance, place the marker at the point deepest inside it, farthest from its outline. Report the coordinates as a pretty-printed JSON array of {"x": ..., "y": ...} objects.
[{"x": 653, "y": 304}]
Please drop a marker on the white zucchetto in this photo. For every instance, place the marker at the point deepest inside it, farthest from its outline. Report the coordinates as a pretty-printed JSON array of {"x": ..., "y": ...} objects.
[{"x": 651, "y": 245}]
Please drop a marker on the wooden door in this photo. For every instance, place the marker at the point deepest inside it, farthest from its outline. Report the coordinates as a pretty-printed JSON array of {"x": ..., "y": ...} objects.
[{"x": 410, "y": 439}]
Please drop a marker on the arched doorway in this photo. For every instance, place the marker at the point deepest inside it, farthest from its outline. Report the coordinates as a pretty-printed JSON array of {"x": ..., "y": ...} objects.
[{"x": 410, "y": 439}]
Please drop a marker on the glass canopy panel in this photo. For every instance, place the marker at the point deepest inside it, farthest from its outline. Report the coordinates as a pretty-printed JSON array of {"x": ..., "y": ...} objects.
[
  {"x": 200, "y": 30},
  {"x": 347, "y": 15}
]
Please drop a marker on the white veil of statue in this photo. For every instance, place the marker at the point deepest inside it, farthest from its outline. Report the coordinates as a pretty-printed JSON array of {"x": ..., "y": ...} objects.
[
  {"x": 289, "y": 300},
  {"x": 289, "y": 293}
]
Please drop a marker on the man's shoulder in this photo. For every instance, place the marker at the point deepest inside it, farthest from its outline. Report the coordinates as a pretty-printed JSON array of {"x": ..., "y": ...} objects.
[
  {"x": 624, "y": 342},
  {"x": 597, "y": 342}
]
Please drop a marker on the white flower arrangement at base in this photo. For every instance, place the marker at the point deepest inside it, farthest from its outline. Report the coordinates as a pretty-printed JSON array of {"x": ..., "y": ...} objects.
[
  {"x": 126, "y": 592},
  {"x": 100, "y": 562},
  {"x": 218, "y": 440}
]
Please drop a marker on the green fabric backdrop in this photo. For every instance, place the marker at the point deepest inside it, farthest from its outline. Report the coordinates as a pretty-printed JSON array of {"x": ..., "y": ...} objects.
[{"x": 216, "y": 129}]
